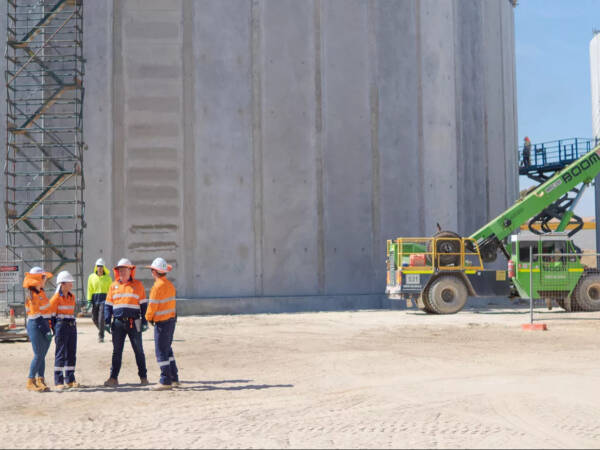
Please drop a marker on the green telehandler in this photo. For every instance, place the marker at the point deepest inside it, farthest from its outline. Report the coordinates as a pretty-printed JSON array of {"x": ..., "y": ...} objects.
[{"x": 440, "y": 272}]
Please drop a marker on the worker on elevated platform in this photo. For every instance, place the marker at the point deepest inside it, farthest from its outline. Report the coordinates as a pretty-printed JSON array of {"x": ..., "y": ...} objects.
[{"x": 526, "y": 152}]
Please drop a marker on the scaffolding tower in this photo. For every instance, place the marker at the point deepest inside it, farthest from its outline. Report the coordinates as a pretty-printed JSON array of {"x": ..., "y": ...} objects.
[{"x": 44, "y": 149}]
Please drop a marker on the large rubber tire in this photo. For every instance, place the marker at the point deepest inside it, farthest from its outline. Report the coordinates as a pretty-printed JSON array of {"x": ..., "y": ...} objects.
[
  {"x": 587, "y": 292},
  {"x": 423, "y": 302},
  {"x": 447, "y": 246},
  {"x": 570, "y": 303},
  {"x": 447, "y": 294}
]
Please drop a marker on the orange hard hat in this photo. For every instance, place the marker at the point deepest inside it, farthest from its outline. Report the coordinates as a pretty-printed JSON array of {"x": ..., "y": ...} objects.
[{"x": 526, "y": 138}]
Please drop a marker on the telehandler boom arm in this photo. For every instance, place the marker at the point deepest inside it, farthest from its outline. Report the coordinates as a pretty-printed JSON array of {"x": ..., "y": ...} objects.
[{"x": 490, "y": 236}]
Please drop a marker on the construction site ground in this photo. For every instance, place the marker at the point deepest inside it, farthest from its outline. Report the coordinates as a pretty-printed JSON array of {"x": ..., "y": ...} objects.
[{"x": 368, "y": 379}]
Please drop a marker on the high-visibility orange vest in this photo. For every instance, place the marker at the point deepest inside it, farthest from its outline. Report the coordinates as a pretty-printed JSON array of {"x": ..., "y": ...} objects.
[
  {"x": 161, "y": 302},
  {"x": 126, "y": 299},
  {"x": 37, "y": 305},
  {"x": 63, "y": 307}
]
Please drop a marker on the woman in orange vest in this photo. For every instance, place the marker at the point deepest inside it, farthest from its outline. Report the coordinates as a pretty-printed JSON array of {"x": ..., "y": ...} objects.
[
  {"x": 37, "y": 308},
  {"x": 161, "y": 314},
  {"x": 62, "y": 306}
]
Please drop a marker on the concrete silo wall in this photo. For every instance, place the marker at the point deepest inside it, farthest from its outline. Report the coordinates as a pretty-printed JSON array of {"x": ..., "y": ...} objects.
[
  {"x": 269, "y": 148},
  {"x": 595, "y": 83}
]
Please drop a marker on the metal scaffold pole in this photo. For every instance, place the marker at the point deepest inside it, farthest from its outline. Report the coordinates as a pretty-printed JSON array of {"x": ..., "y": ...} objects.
[{"x": 44, "y": 141}]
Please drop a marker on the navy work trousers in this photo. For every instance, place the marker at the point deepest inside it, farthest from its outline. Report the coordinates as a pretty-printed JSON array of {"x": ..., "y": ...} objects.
[
  {"x": 65, "y": 339},
  {"x": 120, "y": 330},
  {"x": 163, "y": 338}
]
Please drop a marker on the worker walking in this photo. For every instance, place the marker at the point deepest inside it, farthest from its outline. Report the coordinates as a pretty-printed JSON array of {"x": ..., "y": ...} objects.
[
  {"x": 526, "y": 152},
  {"x": 38, "y": 312},
  {"x": 99, "y": 282},
  {"x": 62, "y": 306},
  {"x": 161, "y": 313},
  {"x": 126, "y": 303}
]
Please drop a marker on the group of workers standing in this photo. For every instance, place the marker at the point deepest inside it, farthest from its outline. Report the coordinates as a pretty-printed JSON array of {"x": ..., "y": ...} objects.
[{"x": 119, "y": 307}]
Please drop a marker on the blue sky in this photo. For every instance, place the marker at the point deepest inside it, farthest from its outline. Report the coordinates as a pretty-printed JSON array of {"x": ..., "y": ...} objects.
[{"x": 552, "y": 40}]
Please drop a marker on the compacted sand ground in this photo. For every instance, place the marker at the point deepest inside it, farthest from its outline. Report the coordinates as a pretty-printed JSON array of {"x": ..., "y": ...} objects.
[{"x": 369, "y": 379}]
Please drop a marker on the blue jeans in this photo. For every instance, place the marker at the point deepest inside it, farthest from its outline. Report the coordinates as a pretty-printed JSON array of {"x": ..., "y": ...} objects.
[
  {"x": 40, "y": 344},
  {"x": 163, "y": 338},
  {"x": 66, "y": 349},
  {"x": 120, "y": 329}
]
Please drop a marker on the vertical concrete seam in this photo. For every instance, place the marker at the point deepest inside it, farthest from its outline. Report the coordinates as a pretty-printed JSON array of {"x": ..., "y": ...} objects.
[
  {"x": 420, "y": 149},
  {"x": 486, "y": 162},
  {"x": 514, "y": 108},
  {"x": 117, "y": 173},
  {"x": 319, "y": 148},
  {"x": 502, "y": 82},
  {"x": 375, "y": 156},
  {"x": 460, "y": 190},
  {"x": 258, "y": 219},
  {"x": 188, "y": 206}
]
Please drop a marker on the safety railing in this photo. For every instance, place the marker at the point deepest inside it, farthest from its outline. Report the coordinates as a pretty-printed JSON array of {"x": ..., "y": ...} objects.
[{"x": 554, "y": 155}]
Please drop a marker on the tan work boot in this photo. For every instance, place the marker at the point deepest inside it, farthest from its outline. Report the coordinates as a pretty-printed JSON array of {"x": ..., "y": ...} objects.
[
  {"x": 111, "y": 382},
  {"x": 31, "y": 386},
  {"x": 161, "y": 387},
  {"x": 175, "y": 383},
  {"x": 60, "y": 387},
  {"x": 42, "y": 384},
  {"x": 144, "y": 381},
  {"x": 73, "y": 384}
]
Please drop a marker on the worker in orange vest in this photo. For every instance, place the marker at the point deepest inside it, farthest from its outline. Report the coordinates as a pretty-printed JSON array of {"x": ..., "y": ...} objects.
[
  {"x": 37, "y": 308},
  {"x": 126, "y": 302},
  {"x": 62, "y": 306},
  {"x": 162, "y": 314}
]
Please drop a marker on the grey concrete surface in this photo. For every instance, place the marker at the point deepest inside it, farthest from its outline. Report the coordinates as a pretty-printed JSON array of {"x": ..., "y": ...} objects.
[
  {"x": 268, "y": 148},
  {"x": 595, "y": 83}
]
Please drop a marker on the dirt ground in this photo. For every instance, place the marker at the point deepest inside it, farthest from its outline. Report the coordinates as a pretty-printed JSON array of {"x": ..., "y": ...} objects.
[{"x": 369, "y": 379}]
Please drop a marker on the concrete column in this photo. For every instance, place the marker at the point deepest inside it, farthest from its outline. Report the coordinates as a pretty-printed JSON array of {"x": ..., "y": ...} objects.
[
  {"x": 347, "y": 157},
  {"x": 440, "y": 163},
  {"x": 224, "y": 254},
  {"x": 98, "y": 134}
]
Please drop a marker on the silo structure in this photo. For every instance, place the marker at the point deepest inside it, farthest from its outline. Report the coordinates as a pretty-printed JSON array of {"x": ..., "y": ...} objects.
[{"x": 270, "y": 147}]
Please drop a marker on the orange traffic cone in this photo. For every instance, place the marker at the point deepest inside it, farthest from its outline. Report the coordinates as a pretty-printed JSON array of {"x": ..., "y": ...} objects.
[{"x": 12, "y": 323}]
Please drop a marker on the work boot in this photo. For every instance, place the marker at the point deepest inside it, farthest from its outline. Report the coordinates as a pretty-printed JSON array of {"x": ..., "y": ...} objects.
[
  {"x": 74, "y": 384},
  {"x": 31, "y": 386},
  {"x": 100, "y": 339},
  {"x": 111, "y": 382},
  {"x": 162, "y": 387},
  {"x": 42, "y": 384},
  {"x": 144, "y": 381},
  {"x": 175, "y": 383},
  {"x": 60, "y": 387}
]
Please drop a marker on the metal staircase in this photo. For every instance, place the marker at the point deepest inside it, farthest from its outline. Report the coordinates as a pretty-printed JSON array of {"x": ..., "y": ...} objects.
[{"x": 44, "y": 149}]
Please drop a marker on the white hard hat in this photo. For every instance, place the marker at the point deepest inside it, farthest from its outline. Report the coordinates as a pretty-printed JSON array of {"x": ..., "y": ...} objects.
[
  {"x": 64, "y": 277},
  {"x": 38, "y": 269},
  {"x": 160, "y": 265},
  {"x": 100, "y": 262},
  {"x": 124, "y": 262}
]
